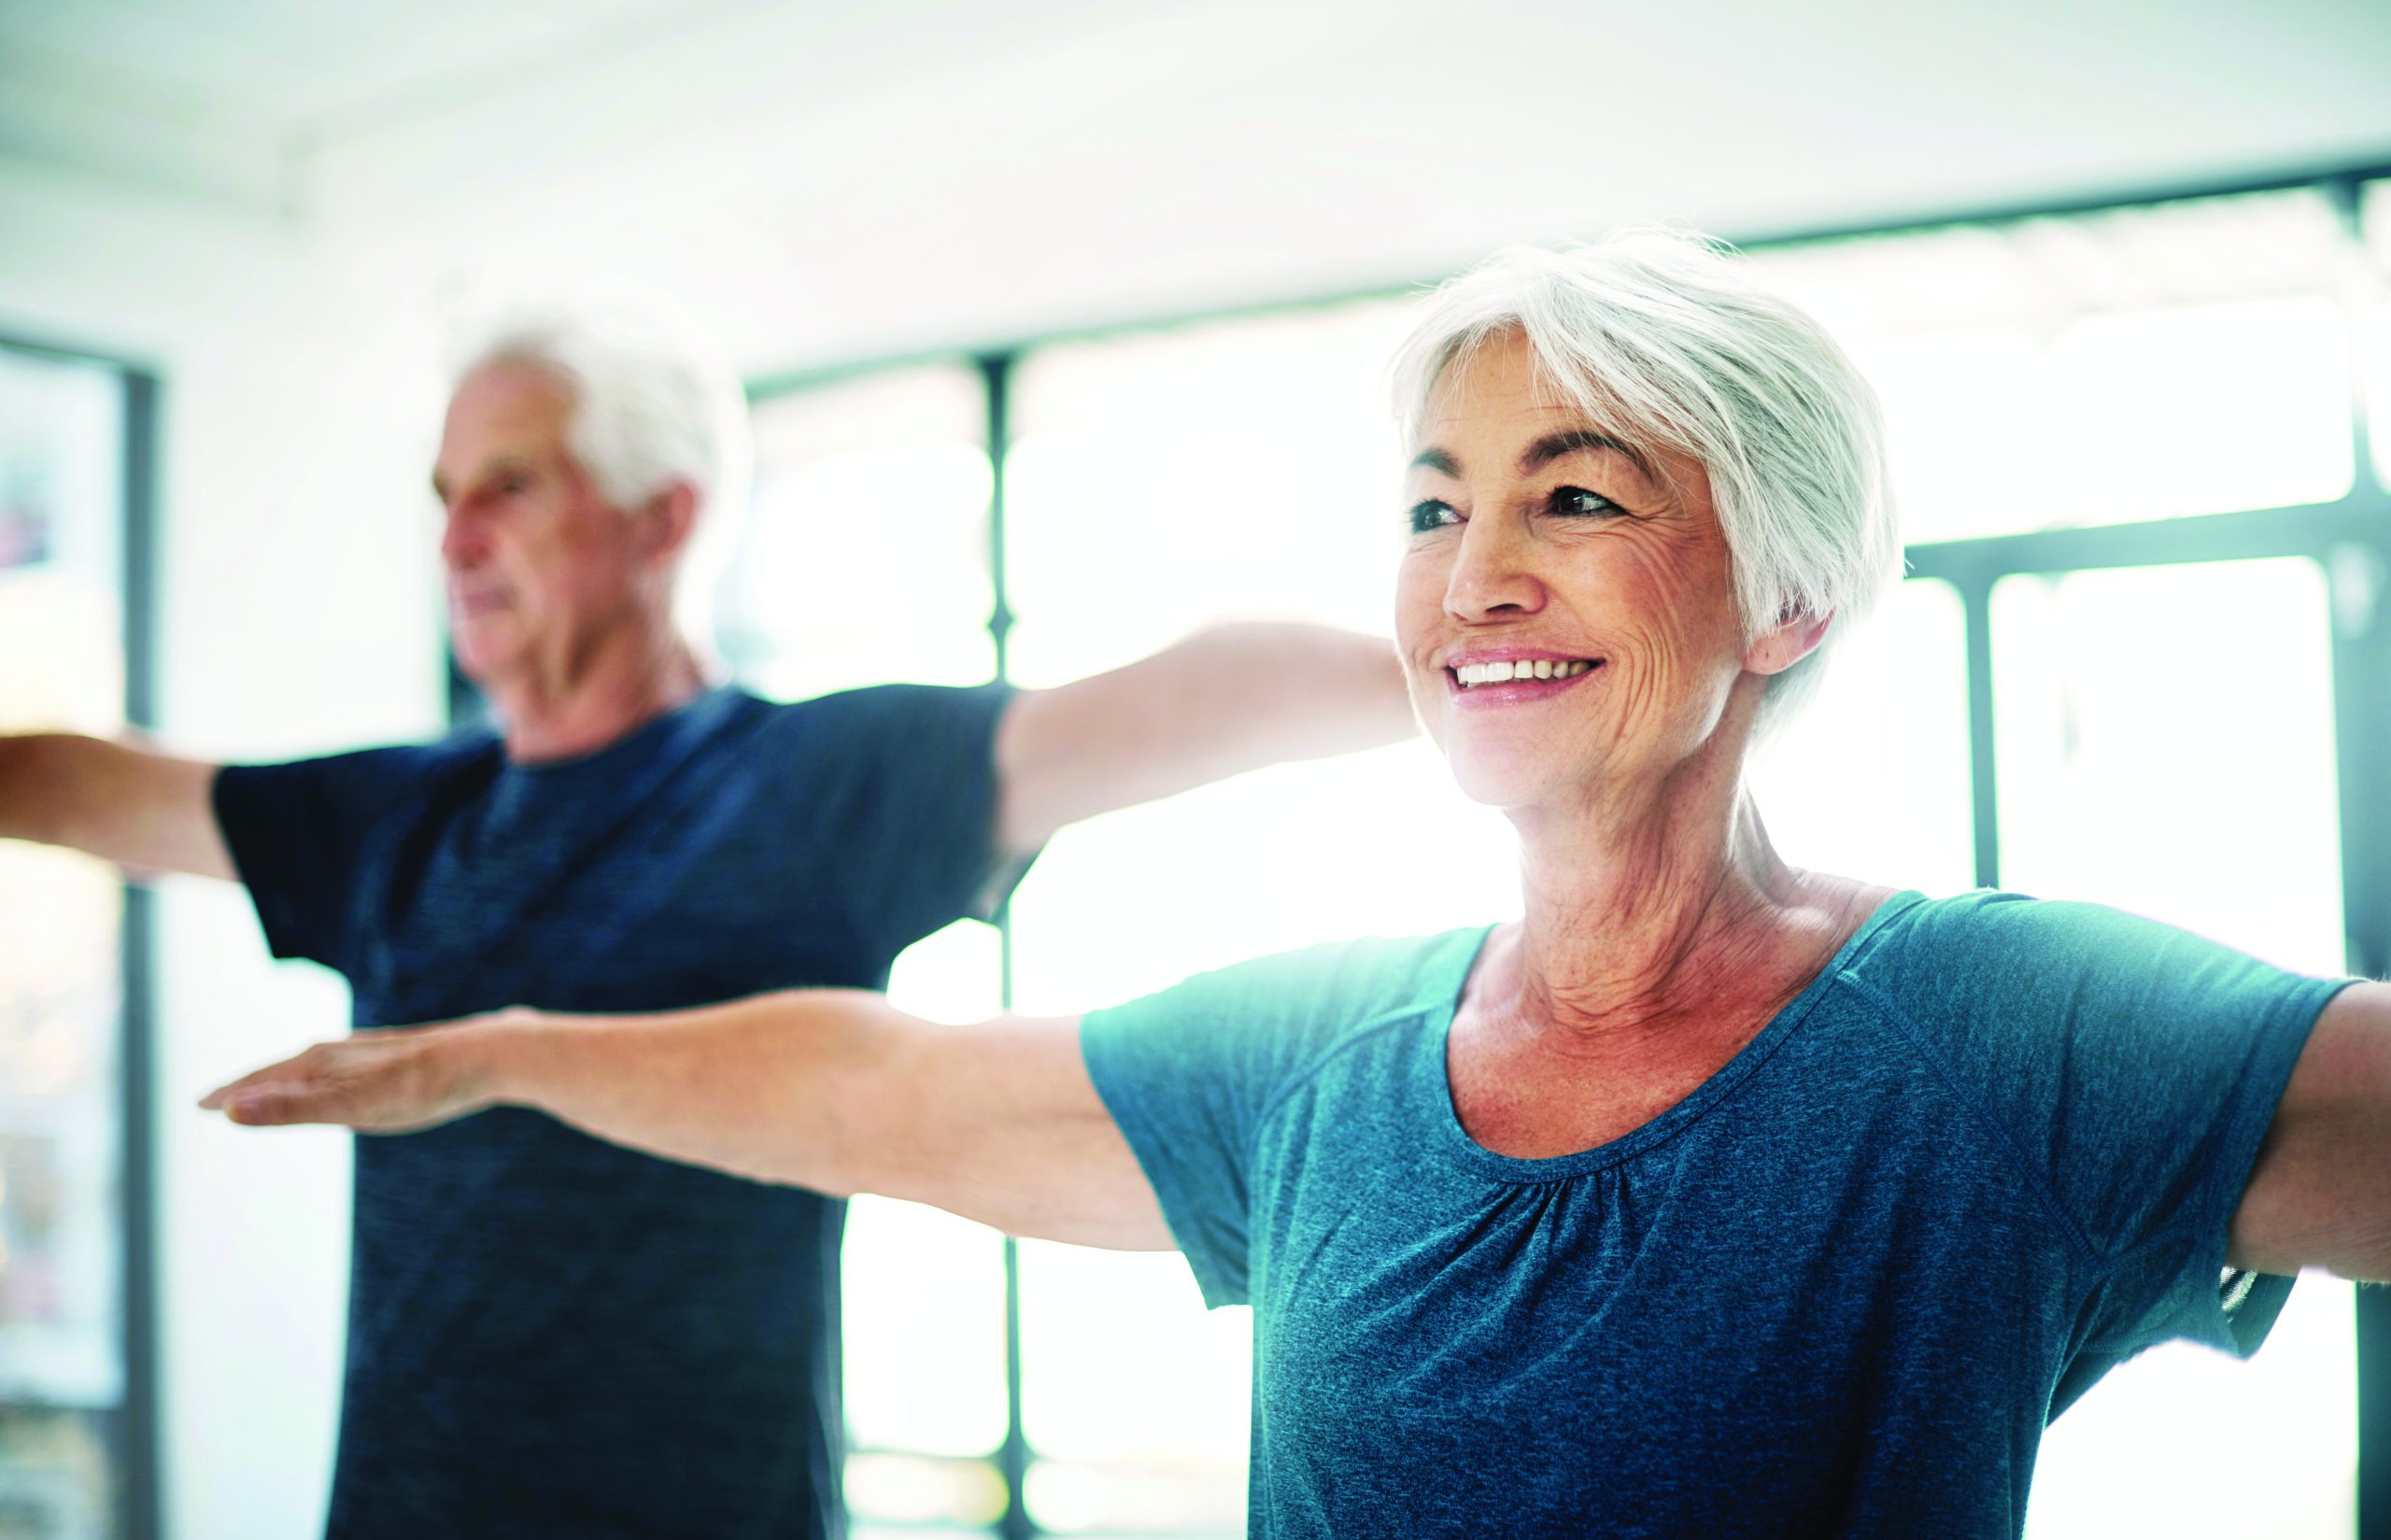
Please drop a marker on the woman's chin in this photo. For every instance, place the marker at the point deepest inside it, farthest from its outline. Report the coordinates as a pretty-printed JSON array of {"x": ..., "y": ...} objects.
[{"x": 1506, "y": 781}]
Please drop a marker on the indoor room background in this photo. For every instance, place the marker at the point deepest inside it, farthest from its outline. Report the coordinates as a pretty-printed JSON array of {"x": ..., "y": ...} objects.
[{"x": 1064, "y": 327}]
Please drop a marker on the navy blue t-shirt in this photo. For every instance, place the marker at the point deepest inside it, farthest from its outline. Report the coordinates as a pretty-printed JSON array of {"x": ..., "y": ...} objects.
[
  {"x": 550, "y": 1335},
  {"x": 1837, "y": 1290}
]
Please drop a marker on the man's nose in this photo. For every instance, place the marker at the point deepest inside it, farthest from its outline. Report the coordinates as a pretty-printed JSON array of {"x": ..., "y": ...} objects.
[{"x": 461, "y": 541}]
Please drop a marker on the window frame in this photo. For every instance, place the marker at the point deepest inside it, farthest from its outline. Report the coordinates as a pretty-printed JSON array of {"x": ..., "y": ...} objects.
[{"x": 133, "y": 1441}]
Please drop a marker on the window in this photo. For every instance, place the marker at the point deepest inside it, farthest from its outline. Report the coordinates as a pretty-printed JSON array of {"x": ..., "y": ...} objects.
[
  {"x": 67, "y": 1375},
  {"x": 2149, "y": 764},
  {"x": 2140, "y": 363}
]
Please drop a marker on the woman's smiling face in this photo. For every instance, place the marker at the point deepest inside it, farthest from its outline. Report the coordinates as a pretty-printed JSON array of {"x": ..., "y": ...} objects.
[{"x": 1565, "y": 612}]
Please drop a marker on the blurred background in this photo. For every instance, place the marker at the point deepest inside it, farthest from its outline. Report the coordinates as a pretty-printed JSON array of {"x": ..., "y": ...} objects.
[{"x": 1075, "y": 314}]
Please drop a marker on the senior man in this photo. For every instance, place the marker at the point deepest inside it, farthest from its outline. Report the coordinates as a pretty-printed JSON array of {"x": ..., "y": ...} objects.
[{"x": 550, "y": 1335}]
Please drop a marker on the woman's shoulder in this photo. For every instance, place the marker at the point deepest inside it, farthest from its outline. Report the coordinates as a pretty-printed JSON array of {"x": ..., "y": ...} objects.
[
  {"x": 1330, "y": 988},
  {"x": 1991, "y": 952},
  {"x": 2005, "y": 928}
]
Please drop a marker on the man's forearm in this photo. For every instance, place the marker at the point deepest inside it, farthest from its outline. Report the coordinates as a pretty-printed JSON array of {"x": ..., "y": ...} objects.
[
  {"x": 146, "y": 812},
  {"x": 33, "y": 771},
  {"x": 1232, "y": 699},
  {"x": 1271, "y": 691}
]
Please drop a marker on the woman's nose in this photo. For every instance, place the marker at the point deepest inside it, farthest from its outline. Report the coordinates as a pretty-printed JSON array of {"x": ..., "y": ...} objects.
[{"x": 1493, "y": 571}]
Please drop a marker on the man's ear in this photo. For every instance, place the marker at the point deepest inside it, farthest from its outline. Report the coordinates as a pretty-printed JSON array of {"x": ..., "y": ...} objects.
[
  {"x": 668, "y": 520},
  {"x": 1792, "y": 640}
]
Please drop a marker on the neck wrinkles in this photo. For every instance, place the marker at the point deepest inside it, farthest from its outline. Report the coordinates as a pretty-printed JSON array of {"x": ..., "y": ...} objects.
[
  {"x": 1646, "y": 906},
  {"x": 577, "y": 700}
]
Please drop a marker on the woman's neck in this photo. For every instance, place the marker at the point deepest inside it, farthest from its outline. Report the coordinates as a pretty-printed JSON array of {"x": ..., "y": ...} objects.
[{"x": 1664, "y": 905}]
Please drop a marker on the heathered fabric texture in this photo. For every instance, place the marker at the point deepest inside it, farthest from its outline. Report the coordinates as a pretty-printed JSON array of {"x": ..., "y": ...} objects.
[
  {"x": 1991, "y": 1151},
  {"x": 550, "y": 1335}
]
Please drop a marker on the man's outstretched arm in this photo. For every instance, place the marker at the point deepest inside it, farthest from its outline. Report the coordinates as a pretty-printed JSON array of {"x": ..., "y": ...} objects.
[
  {"x": 147, "y": 813},
  {"x": 1231, "y": 699},
  {"x": 830, "y": 1089}
]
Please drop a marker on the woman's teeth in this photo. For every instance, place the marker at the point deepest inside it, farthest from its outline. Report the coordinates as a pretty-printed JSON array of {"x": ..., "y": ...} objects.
[{"x": 1525, "y": 668}]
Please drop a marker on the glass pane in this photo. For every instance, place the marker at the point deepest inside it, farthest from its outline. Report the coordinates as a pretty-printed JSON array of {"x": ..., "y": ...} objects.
[
  {"x": 924, "y": 1290},
  {"x": 2137, "y": 363},
  {"x": 2167, "y": 746},
  {"x": 54, "y": 1475},
  {"x": 2196, "y": 410},
  {"x": 1093, "y": 1323},
  {"x": 1872, "y": 779},
  {"x": 1131, "y": 1497},
  {"x": 1160, "y": 481},
  {"x": 941, "y": 1495},
  {"x": 1948, "y": 397},
  {"x": 62, "y": 666},
  {"x": 865, "y": 558},
  {"x": 2030, "y": 273},
  {"x": 2378, "y": 392}
]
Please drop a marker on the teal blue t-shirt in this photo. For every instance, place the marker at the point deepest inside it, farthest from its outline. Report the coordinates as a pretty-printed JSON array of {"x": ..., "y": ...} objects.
[{"x": 1838, "y": 1290}]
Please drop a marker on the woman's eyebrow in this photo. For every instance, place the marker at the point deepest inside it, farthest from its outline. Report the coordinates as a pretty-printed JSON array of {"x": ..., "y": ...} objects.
[
  {"x": 1550, "y": 448},
  {"x": 1436, "y": 459}
]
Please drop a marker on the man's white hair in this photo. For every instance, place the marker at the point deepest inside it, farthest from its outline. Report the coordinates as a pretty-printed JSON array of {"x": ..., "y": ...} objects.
[
  {"x": 1668, "y": 341},
  {"x": 650, "y": 408}
]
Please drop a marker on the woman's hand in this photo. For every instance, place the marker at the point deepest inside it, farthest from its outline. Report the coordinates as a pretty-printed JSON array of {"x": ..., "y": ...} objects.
[{"x": 391, "y": 1081}]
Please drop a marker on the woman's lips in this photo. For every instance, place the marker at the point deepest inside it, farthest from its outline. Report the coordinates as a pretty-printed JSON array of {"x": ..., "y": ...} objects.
[{"x": 1523, "y": 686}]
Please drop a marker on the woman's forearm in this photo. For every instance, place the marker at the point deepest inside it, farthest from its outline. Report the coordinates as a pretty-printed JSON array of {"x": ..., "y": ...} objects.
[{"x": 754, "y": 1086}]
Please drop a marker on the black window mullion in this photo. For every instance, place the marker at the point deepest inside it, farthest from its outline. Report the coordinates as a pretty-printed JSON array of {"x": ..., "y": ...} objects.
[
  {"x": 1013, "y": 1457},
  {"x": 138, "y": 1457}
]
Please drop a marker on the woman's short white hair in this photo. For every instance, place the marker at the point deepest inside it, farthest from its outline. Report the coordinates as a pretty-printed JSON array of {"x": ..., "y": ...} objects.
[
  {"x": 650, "y": 408},
  {"x": 1668, "y": 341}
]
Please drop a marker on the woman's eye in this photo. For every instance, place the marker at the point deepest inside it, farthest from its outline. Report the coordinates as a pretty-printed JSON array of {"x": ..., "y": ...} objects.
[
  {"x": 1431, "y": 514},
  {"x": 1577, "y": 502}
]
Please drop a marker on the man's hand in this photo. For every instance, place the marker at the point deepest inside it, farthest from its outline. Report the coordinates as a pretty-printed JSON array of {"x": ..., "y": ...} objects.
[{"x": 391, "y": 1081}]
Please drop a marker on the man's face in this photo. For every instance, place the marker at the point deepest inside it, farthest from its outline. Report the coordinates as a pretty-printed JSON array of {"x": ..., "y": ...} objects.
[{"x": 540, "y": 567}]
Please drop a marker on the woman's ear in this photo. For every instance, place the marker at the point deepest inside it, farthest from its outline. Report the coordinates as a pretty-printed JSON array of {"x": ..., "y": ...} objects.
[{"x": 1792, "y": 640}]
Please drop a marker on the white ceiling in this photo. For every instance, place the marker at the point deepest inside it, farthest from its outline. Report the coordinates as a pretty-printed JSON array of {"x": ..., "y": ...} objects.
[{"x": 951, "y": 169}]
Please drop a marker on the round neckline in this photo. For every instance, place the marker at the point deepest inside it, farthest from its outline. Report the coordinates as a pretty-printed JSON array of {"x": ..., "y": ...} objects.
[
  {"x": 628, "y": 746},
  {"x": 1456, "y": 1140}
]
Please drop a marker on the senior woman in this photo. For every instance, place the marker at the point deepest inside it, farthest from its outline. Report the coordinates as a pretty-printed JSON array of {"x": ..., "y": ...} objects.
[{"x": 1713, "y": 1196}]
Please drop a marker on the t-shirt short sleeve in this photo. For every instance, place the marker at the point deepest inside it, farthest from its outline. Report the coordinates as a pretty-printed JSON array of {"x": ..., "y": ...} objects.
[
  {"x": 2138, "y": 1069},
  {"x": 1189, "y": 1074},
  {"x": 296, "y": 830},
  {"x": 913, "y": 771}
]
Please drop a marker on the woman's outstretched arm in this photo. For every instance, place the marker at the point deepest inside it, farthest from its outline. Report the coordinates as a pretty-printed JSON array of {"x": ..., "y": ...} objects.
[
  {"x": 2321, "y": 1195},
  {"x": 830, "y": 1089}
]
